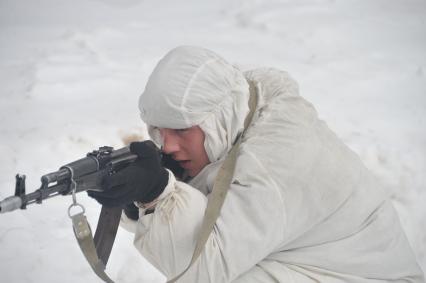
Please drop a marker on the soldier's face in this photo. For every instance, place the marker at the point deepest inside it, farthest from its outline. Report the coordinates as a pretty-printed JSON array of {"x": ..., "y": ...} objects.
[{"x": 187, "y": 147}]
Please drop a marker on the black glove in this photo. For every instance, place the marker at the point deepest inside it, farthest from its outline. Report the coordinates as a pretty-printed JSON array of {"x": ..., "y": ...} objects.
[
  {"x": 143, "y": 180},
  {"x": 168, "y": 162},
  {"x": 131, "y": 211}
]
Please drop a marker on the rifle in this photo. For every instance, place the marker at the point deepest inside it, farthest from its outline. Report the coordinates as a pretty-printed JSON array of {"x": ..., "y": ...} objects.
[{"x": 80, "y": 175}]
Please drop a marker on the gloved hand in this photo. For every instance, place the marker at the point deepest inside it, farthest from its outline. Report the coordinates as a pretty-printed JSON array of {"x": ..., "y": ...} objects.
[
  {"x": 131, "y": 211},
  {"x": 143, "y": 180},
  {"x": 168, "y": 162}
]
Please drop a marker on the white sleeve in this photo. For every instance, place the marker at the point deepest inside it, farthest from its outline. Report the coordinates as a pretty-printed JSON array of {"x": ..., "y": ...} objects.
[
  {"x": 241, "y": 237},
  {"x": 167, "y": 237}
]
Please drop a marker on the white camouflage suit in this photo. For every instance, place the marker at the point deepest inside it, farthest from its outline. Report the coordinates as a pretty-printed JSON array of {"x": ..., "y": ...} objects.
[{"x": 301, "y": 207}]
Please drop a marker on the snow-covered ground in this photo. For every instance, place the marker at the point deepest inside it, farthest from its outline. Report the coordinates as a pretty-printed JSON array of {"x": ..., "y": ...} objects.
[{"x": 71, "y": 73}]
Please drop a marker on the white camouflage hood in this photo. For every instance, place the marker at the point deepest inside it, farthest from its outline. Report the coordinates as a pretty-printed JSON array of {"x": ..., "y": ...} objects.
[{"x": 192, "y": 86}]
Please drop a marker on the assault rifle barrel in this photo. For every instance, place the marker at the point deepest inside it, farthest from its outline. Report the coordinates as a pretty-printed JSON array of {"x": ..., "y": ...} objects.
[{"x": 85, "y": 174}]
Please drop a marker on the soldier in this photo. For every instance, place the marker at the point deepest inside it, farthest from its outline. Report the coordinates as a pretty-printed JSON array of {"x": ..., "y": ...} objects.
[{"x": 301, "y": 206}]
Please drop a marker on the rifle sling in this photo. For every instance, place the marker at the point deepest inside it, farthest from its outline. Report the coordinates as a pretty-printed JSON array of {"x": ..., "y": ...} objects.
[{"x": 97, "y": 252}]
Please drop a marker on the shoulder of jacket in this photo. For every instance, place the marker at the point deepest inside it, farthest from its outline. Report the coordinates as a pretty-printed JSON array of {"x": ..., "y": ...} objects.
[
  {"x": 272, "y": 82},
  {"x": 267, "y": 74}
]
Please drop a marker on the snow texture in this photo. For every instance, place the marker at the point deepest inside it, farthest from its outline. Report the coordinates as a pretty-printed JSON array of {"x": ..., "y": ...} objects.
[{"x": 71, "y": 73}]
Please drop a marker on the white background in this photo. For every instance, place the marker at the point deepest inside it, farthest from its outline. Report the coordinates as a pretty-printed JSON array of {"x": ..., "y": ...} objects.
[{"x": 71, "y": 73}]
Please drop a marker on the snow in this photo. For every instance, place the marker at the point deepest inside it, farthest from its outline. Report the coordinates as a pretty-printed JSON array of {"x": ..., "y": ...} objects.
[{"x": 71, "y": 73}]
